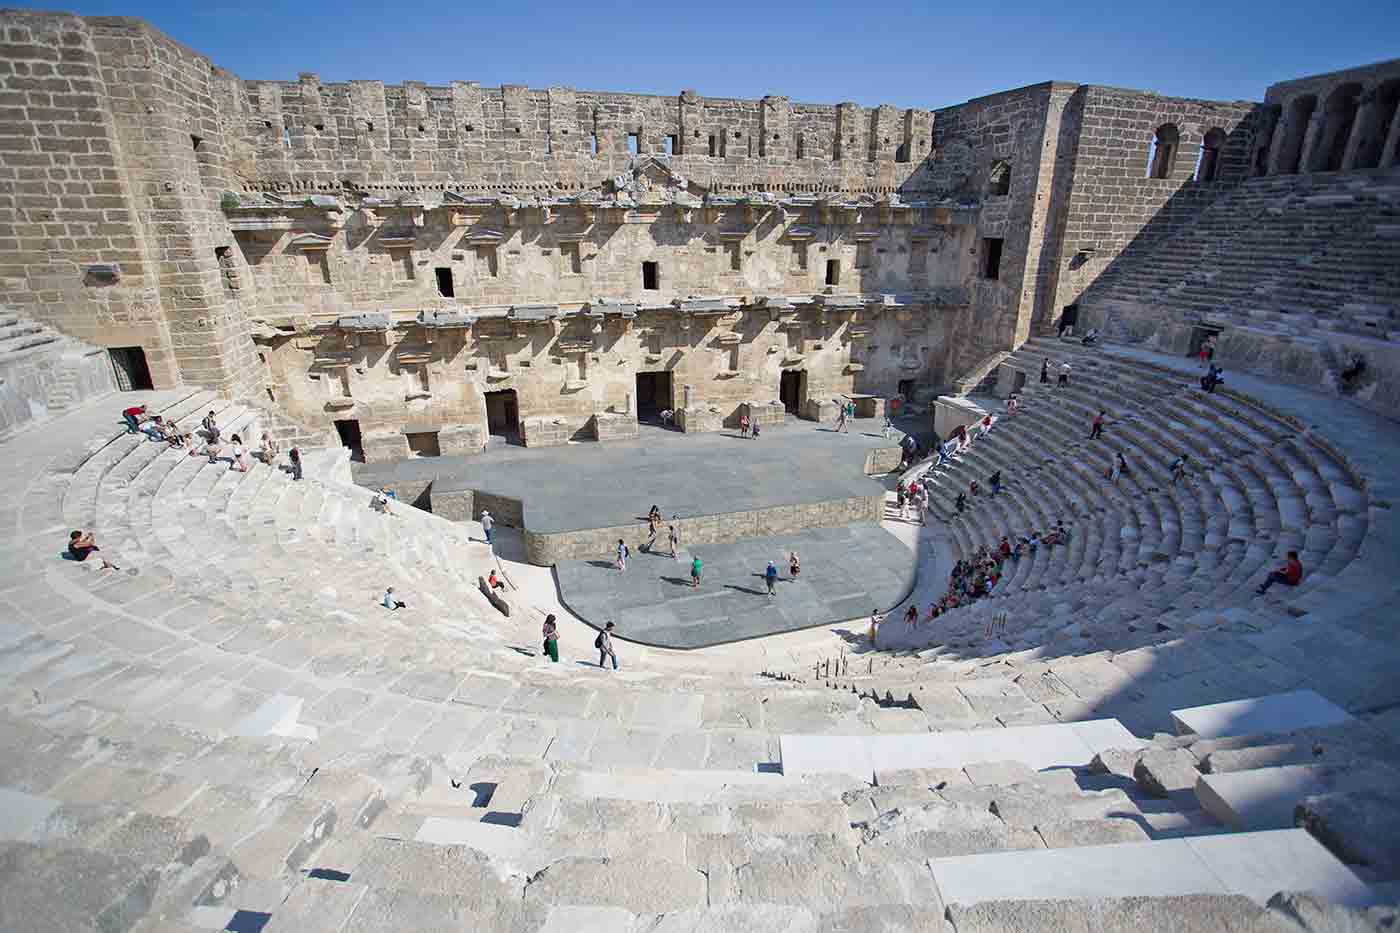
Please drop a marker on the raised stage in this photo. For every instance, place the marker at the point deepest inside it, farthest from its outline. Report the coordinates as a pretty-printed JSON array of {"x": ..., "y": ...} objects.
[
  {"x": 573, "y": 502},
  {"x": 740, "y": 503}
]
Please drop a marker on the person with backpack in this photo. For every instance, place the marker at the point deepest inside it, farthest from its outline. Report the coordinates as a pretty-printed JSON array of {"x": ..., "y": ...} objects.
[
  {"x": 622, "y": 554},
  {"x": 695, "y": 568},
  {"x": 770, "y": 577},
  {"x": 294, "y": 457},
  {"x": 604, "y": 644}
]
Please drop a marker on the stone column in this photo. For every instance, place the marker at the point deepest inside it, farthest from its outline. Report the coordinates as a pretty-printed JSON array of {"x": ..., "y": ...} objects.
[
  {"x": 1389, "y": 156},
  {"x": 1282, "y": 130},
  {"x": 1361, "y": 128},
  {"x": 1312, "y": 140}
]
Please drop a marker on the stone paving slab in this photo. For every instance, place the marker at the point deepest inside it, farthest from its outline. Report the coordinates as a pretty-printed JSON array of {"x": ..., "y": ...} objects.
[
  {"x": 1281, "y": 712},
  {"x": 592, "y": 485},
  {"x": 846, "y": 573}
]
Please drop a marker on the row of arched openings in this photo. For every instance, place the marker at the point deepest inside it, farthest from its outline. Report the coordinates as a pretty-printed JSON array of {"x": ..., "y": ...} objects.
[
  {"x": 1348, "y": 129},
  {"x": 1166, "y": 143}
]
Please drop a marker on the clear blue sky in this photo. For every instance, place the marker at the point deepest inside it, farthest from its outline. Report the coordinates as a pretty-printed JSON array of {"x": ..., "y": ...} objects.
[{"x": 927, "y": 54}]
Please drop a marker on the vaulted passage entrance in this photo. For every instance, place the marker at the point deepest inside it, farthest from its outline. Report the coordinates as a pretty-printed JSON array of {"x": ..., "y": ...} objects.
[
  {"x": 792, "y": 390},
  {"x": 655, "y": 394},
  {"x": 129, "y": 363},
  {"x": 503, "y": 414}
]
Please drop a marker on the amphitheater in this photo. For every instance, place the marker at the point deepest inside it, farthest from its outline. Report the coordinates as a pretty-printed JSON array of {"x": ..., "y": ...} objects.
[{"x": 556, "y": 304}]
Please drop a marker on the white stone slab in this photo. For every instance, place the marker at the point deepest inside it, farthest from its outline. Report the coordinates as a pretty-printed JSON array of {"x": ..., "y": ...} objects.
[
  {"x": 1256, "y": 865},
  {"x": 277, "y": 715},
  {"x": 817, "y": 754},
  {"x": 1263, "y": 798},
  {"x": 1058, "y": 745},
  {"x": 1146, "y": 869},
  {"x": 679, "y": 786},
  {"x": 21, "y": 812},
  {"x": 1259, "y": 865},
  {"x": 584, "y": 919},
  {"x": 1280, "y": 712},
  {"x": 489, "y": 838}
]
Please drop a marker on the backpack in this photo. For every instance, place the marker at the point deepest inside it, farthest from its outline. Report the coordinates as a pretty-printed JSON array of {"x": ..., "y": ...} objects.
[{"x": 598, "y": 642}]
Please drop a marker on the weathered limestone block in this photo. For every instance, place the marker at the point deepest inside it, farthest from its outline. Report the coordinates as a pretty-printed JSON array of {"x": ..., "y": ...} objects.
[
  {"x": 1193, "y": 913},
  {"x": 462, "y": 439},
  {"x": 610, "y": 426},
  {"x": 1162, "y": 772},
  {"x": 453, "y": 506},
  {"x": 699, "y": 419},
  {"x": 818, "y": 409},
  {"x": 1260, "y": 756},
  {"x": 384, "y": 447},
  {"x": 1090, "y": 832},
  {"x": 1119, "y": 761},
  {"x": 1359, "y": 826},
  {"x": 764, "y": 413},
  {"x": 545, "y": 431}
]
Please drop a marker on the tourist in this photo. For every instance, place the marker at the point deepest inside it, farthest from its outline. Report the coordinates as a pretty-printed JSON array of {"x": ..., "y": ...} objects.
[
  {"x": 551, "y": 638},
  {"x": 380, "y": 502},
  {"x": 495, "y": 582},
  {"x": 391, "y": 602},
  {"x": 972, "y": 488},
  {"x": 888, "y": 429},
  {"x": 1213, "y": 378},
  {"x": 604, "y": 644},
  {"x": 987, "y": 423},
  {"x": 753, "y": 431},
  {"x": 175, "y": 437},
  {"x": 961, "y": 434},
  {"x": 668, "y": 416},
  {"x": 841, "y": 420},
  {"x": 650, "y": 544},
  {"x": 1178, "y": 468},
  {"x": 899, "y": 497},
  {"x": 1120, "y": 466},
  {"x": 876, "y": 620},
  {"x": 911, "y": 617},
  {"x": 1012, "y": 403},
  {"x": 268, "y": 453},
  {"x": 961, "y": 502},
  {"x": 1091, "y": 337},
  {"x": 654, "y": 515},
  {"x": 770, "y": 577},
  {"x": 1064, "y": 375},
  {"x": 1097, "y": 429},
  {"x": 921, "y": 504},
  {"x": 1291, "y": 573},
  {"x": 294, "y": 457},
  {"x": 695, "y": 568},
  {"x": 155, "y": 428},
  {"x": 794, "y": 566},
  {"x": 133, "y": 417},
  {"x": 81, "y": 546},
  {"x": 1207, "y": 352},
  {"x": 622, "y": 554},
  {"x": 240, "y": 456},
  {"x": 211, "y": 428},
  {"x": 487, "y": 523},
  {"x": 743, "y": 425},
  {"x": 1045, "y": 371},
  {"x": 995, "y": 482},
  {"x": 675, "y": 540}
]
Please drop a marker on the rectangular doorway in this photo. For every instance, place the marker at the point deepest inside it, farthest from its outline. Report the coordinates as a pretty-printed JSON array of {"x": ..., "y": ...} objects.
[
  {"x": 423, "y": 444},
  {"x": 129, "y": 364},
  {"x": 654, "y": 395},
  {"x": 906, "y": 389},
  {"x": 348, "y": 429},
  {"x": 792, "y": 390},
  {"x": 503, "y": 414}
]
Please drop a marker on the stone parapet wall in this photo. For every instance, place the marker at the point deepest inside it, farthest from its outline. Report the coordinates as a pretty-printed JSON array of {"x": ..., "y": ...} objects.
[
  {"x": 548, "y": 549},
  {"x": 45, "y": 379}
]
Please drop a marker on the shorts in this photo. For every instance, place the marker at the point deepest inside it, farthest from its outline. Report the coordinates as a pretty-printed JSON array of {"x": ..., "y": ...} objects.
[{"x": 80, "y": 554}]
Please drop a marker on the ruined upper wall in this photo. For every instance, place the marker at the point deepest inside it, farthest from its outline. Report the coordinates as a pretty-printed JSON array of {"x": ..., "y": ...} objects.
[
  {"x": 1368, "y": 76},
  {"x": 308, "y": 135}
]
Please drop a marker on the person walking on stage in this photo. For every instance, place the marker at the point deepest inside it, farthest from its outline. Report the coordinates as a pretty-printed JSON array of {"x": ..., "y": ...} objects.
[{"x": 770, "y": 577}]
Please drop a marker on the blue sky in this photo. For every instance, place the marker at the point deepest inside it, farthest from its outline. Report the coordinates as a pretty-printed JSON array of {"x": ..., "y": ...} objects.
[{"x": 927, "y": 54}]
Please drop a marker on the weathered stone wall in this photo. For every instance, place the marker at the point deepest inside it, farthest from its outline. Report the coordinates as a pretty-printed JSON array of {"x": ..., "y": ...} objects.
[
  {"x": 47, "y": 377},
  {"x": 548, "y": 549},
  {"x": 70, "y": 203},
  {"x": 1109, "y": 204},
  {"x": 305, "y": 135}
]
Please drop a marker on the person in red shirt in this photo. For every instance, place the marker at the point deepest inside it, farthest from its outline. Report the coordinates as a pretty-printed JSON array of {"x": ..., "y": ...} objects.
[
  {"x": 1290, "y": 573},
  {"x": 134, "y": 416},
  {"x": 1097, "y": 429}
]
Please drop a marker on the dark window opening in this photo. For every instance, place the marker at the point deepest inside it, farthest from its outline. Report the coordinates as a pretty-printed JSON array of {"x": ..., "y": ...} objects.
[
  {"x": 195, "y": 142},
  {"x": 634, "y": 143},
  {"x": 991, "y": 257},
  {"x": 1295, "y": 130},
  {"x": 129, "y": 364},
  {"x": 736, "y": 256},
  {"x": 999, "y": 178},
  {"x": 1208, "y": 164},
  {"x": 801, "y": 147},
  {"x": 673, "y": 144},
  {"x": 369, "y": 126},
  {"x": 320, "y": 127},
  {"x": 444, "y": 282},
  {"x": 488, "y": 265},
  {"x": 654, "y": 395},
  {"x": 423, "y": 444},
  {"x": 1162, "y": 156},
  {"x": 792, "y": 390},
  {"x": 422, "y": 128},
  {"x": 595, "y": 143},
  {"x": 833, "y": 272},
  {"x": 503, "y": 414},
  {"x": 286, "y": 137},
  {"x": 901, "y": 154},
  {"x": 573, "y": 258},
  {"x": 651, "y": 276}
]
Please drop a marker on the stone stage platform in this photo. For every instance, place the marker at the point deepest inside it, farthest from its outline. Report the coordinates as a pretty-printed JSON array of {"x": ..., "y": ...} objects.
[
  {"x": 575, "y": 501},
  {"x": 846, "y": 572}
]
